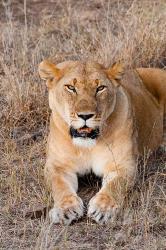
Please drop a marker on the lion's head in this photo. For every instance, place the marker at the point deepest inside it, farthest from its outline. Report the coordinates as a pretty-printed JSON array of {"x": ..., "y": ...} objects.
[{"x": 84, "y": 95}]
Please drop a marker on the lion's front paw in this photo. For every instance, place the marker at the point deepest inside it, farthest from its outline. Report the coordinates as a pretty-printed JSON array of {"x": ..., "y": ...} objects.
[
  {"x": 70, "y": 208},
  {"x": 102, "y": 208}
]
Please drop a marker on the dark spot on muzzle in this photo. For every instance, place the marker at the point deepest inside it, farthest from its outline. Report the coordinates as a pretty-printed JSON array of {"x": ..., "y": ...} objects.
[{"x": 83, "y": 134}]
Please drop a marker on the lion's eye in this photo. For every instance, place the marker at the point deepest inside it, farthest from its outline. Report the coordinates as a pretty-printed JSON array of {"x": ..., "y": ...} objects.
[
  {"x": 100, "y": 88},
  {"x": 70, "y": 88}
]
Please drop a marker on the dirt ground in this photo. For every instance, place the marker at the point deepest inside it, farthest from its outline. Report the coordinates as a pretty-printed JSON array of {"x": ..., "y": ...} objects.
[{"x": 31, "y": 30}]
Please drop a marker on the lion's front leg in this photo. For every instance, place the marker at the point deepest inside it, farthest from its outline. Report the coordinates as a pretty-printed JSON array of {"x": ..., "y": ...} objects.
[
  {"x": 67, "y": 205},
  {"x": 107, "y": 202}
]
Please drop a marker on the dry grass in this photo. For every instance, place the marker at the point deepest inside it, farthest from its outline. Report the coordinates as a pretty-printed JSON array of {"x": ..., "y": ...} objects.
[{"x": 133, "y": 31}]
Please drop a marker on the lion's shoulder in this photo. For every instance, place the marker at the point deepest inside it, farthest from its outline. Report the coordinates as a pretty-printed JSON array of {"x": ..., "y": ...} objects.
[{"x": 154, "y": 80}]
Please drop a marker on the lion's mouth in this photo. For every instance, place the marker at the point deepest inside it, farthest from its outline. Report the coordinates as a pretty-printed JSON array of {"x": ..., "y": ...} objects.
[{"x": 84, "y": 132}]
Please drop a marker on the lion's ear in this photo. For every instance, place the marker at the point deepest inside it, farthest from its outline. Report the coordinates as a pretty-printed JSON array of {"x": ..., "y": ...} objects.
[
  {"x": 48, "y": 71},
  {"x": 116, "y": 71}
]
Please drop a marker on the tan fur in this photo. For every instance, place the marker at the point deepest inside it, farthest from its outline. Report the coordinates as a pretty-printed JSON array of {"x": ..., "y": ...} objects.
[{"x": 129, "y": 112}]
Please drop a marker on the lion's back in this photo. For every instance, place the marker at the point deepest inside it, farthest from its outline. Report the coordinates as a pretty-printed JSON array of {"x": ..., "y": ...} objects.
[
  {"x": 155, "y": 81},
  {"x": 147, "y": 112}
]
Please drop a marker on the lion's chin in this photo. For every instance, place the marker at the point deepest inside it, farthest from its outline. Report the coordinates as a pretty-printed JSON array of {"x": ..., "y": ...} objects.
[
  {"x": 84, "y": 136},
  {"x": 84, "y": 142}
]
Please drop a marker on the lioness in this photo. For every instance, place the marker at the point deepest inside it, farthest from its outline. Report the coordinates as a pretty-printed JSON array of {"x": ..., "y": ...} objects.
[{"x": 102, "y": 119}]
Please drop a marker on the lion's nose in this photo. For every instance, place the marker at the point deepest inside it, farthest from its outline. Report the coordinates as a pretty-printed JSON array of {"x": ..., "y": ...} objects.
[{"x": 85, "y": 116}]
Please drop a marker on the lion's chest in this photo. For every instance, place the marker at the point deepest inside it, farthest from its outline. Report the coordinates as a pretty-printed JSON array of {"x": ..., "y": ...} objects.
[
  {"x": 83, "y": 163},
  {"x": 94, "y": 161}
]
